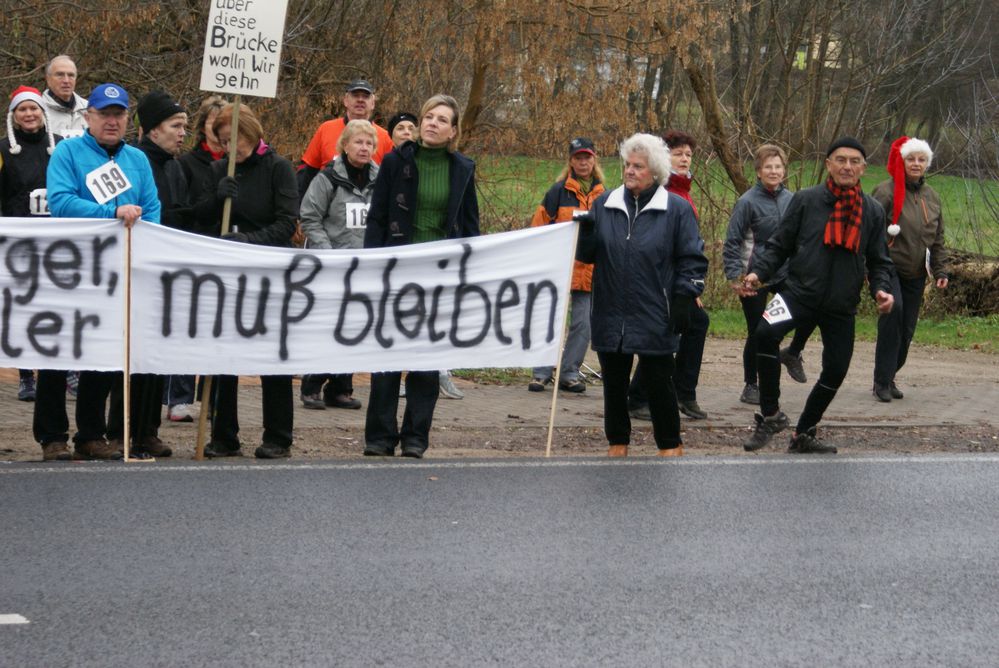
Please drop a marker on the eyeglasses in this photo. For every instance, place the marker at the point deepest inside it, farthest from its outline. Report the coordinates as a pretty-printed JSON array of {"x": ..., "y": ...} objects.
[{"x": 840, "y": 161}]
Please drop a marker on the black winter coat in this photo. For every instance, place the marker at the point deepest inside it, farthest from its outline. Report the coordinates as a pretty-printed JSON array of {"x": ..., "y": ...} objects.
[
  {"x": 826, "y": 278},
  {"x": 171, "y": 186},
  {"x": 393, "y": 201},
  {"x": 197, "y": 166},
  {"x": 22, "y": 173},
  {"x": 639, "y": 265},
  {"x": 266, "y": 207}
]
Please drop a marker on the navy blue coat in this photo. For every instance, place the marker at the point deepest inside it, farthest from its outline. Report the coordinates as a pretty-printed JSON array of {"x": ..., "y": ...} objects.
[
  {"x": 639, "y": 266},
  {"x": 393, "y": 200}
]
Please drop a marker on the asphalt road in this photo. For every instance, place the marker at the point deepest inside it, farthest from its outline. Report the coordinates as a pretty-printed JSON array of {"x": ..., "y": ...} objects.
[{"x": 748, "y": 561}]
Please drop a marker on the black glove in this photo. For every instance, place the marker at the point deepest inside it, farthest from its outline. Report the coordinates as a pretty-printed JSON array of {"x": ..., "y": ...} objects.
[
  {"x": 236, "y": 236},
  {"x": 586, "y": 223},
  {"x": 680, "y": 313},
  {"x": 228, "y": 187}
]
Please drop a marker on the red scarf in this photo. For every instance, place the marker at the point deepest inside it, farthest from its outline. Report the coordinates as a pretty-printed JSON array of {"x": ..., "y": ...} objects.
[
  {"x": 843, "y": 226},
  {"x": 678, "y": 184},
  {"x": 208, "y": 149}
]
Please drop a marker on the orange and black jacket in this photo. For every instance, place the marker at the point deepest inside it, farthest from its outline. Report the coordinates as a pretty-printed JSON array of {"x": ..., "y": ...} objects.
[{"x": 558, "y": 205}]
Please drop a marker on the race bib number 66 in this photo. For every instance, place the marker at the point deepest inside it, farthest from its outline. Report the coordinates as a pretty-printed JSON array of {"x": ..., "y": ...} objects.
[
  {"x": 107, "y": 182},
  {"x": 776, "y": 311}
]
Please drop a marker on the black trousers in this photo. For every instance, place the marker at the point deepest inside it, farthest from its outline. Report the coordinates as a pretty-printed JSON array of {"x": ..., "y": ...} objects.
[
  {"x": 278, "y": 411},
  {"x": 330, "y": 384},
  {"x": 50, "y": 423},
  {"x": 91, "y": 404},
  {"x": 752, "y": 310},
  {"x": 145, "y": 410},
  {"x": 837, "y": 332},
  {"x": 687, "y": 372},
  {"x": 381, "y": 426},
  {"x": 658, "y": 378},
  {"x": 896, "y": 329}
]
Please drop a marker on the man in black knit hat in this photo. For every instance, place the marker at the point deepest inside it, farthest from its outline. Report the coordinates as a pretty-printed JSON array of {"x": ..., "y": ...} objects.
[{"x": 832, "y": 235}]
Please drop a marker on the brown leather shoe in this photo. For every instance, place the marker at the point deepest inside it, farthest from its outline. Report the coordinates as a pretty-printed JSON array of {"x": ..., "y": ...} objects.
[
  {"x": 152, "y": 446},
  {"x": 617, "y": 451},
  {"x": 99, "y": 450},
  {"x": 671, "y": 452},
  {"x": 56, "y": 451}
]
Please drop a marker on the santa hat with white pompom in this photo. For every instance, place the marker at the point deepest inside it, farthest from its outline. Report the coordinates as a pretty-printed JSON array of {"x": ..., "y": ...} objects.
[
  {"x": 901, "y": 148},
  {"x": 26, "y": 94}
]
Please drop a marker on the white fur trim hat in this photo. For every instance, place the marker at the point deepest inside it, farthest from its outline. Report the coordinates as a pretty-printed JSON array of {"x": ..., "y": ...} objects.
[
  {"x": 26, "y": 94},
  {"x": 914, "y": 145}
]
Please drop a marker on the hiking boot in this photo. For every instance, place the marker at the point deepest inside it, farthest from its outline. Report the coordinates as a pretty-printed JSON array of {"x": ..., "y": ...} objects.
[
  {"x": 808, "y": 444},
  {"x": 895, "y": 392},
  {"x": 378, "y": 451},
  {"x": 882, "y": 392},
  {"x": 313, "y": 401},
  {"x": 153, "y": 447},
  {"x": 72, "y": 383},
  {"x": 414, "y": 451},
  {"x": 342, "y": 401},
  {"x": 26, "y": 388},
  {"x": 538, "y": 384},
  {"x": 642, "y": 413},
  {"x": 448, "y": 389},
  {"x": 576, "y": 386},
  {"x": 271, "y": 451},
  {"x": 214, "y": 450},
  {"x": 181, "y": 413},
  {"x": 750, "y": 394},
  {"x": 765, "y": 429},
  {"x": 56, "y": 451},
  {"x": 795, "y": 365},
  {"x": 691, "y": 409},
  {"x": 98, "y": 450}
]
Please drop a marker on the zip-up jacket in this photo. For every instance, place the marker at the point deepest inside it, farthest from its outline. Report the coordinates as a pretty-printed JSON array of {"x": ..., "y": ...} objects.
[
  {"x": 324, "y": 213},
  {"x": 922, "y": 226},
  {"x": 559, "y": 204},
  {"x": 641, "y": 261},
  {"x": 67, "y": 121},
  {"x": 393, "y": 202},
  {"x": 22, "y": 174},
  {"x": 754, "y": 220},
  {"x": 171, "y": 185},
  {"x": 826, "y": 278},
  {"x": 73, "y": 159}
]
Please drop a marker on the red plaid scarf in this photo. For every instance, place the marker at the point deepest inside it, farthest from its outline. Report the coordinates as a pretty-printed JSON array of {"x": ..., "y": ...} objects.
[{"x": 843, "y": 226}]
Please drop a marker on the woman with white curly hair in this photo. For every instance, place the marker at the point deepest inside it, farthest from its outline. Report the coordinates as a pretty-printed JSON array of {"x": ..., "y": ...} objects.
[
  {"x": 649, "y": 267},
  {"x": 916, "y": 246}
]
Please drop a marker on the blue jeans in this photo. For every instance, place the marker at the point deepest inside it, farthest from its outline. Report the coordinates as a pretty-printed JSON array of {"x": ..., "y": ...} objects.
[{"x": 577, "y": 341}]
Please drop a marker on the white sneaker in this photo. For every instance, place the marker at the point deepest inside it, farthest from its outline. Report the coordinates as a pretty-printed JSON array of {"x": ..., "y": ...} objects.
[
  {"x": 182, "y": 413},
  {"x": 448, "y": 390}
]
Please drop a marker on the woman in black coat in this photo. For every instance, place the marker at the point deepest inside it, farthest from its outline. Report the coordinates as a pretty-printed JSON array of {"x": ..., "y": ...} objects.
[
  {"x": 264, "y": 209},
  {"x": 648, "y": 268},
  {"x": 425, "y": 191}
]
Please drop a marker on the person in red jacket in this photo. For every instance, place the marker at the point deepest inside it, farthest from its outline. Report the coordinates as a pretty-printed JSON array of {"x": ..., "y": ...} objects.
[
  {"x": 358, "y": 103},
  {"x": 579, "y": 184}
]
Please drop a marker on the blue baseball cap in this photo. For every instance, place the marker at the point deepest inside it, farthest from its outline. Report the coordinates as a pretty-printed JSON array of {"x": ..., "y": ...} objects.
[{"x": 107, "y": 94}]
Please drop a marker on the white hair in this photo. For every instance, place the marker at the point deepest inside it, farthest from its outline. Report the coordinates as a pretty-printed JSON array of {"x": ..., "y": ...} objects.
[
  {"x": 655, "y": 151},
  {"x": 917, "y": 146}
]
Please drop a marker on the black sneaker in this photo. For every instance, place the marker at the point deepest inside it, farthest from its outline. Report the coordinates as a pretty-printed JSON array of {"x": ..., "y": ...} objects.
[
  {"x": 378, "y": 451},
  {"x": 808, "y": 444},
  {"x": 882, "y": 392},
  {"x": 642, "y": 413},
  {"x": 214, "y": 450},
  {"x": 538, "y": 384},
  {"x": 765, "y": 429},
  {"x": 750, "y": 394},
  {"x": 895, "y": 392},
  {"x": 795, "y": 365},
  {"x": 691, "y": 409},
  {"x": 26, "y": 388},
  {"x": 413, "y": 451},
  {"x": 270, "y": 451}
]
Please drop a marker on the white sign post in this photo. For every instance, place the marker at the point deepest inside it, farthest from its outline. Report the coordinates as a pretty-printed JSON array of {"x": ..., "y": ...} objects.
[{"x": 243, "y": 47}]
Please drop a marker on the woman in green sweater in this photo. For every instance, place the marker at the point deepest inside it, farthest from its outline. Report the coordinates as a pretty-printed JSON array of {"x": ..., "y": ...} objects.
[{"x": 425, "y": 191}]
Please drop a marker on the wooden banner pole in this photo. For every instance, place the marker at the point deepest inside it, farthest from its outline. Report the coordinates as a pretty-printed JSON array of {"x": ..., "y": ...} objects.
[{"x": 206, "y": 390}]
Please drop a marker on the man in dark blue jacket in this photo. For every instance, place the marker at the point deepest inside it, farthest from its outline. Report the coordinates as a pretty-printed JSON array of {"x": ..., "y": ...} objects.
[{"x": 831, "y": 235}]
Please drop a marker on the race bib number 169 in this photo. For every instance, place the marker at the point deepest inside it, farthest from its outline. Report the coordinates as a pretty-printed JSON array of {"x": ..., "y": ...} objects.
[
  {"x": 107, "y": 182},
  {"x": 776, "y": 311}
]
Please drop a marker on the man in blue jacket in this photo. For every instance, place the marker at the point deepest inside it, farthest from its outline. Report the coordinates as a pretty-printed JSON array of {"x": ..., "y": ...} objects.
[
  {"x": 120, "y": 185},
  {"x": 831, "y": 235}
]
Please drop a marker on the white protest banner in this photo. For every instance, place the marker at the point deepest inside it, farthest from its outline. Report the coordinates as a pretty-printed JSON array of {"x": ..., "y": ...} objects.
[
  {"x": 201, "y": 305},
  {"x": 63, "y": 294},
  {"x": 243, "y": 47}
]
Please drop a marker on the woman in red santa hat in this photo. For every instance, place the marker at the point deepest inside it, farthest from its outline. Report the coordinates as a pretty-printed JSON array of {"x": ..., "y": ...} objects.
[{"x": 916, "y": 245}]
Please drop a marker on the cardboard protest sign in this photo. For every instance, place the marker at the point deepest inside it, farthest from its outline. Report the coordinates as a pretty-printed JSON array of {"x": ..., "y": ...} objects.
[{"x": 243, "y": 47}]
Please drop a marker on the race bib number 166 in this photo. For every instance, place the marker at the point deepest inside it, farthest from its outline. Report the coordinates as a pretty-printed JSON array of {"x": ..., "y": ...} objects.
[{"x": 776, "y": 311}]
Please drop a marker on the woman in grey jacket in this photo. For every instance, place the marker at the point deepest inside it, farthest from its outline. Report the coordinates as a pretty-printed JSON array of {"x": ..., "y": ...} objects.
[
  {"x": 334, "y": 214},
  {"x": 754, "y": 220}
]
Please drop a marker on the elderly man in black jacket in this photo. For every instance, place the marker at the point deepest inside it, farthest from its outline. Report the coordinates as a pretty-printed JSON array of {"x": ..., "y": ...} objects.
[{"x": 832, "y": 234}]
